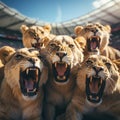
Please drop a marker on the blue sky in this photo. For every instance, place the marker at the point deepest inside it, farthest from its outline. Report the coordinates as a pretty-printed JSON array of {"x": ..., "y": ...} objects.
[{"x": 51, "y": 10}]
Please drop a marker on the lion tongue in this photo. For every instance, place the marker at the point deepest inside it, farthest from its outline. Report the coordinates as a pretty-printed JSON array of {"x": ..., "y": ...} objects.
[
  {"x": 93, "y": 45},
  {"x": 29, "y": 84},
  {"x": 60, "y": 70},
  {"x": 94, "y": 87}
]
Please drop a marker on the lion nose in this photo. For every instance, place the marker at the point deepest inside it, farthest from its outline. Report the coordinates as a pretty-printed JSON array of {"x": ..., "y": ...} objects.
[
  {"x": 37, "y": 38},
  {"x": 61, "y": 54},
  {"x": 98, "y": 69},
  {"x": 95, "y": 31},
  {"x": 32, "y": 60}
]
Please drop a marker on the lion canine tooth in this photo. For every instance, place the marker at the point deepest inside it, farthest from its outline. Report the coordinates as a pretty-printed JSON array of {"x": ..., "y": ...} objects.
[
  {"x": 97, "y": 97},
  {"x": 65, "y": 65},
  {"x": 34, "y": 90},
  {"x": 90, "y": 96},
  {"x": 27, "y": 71},
  {"x": 91, "y": 79},
  {"x": 90, "y": 38},
  {"x": 55, "y": 64},
  {"x": 27, "y": 90},
  {"x": 58, "y": 77},
  {"x": 101, "y": 81},
  {"x": 36, "y": 72}
]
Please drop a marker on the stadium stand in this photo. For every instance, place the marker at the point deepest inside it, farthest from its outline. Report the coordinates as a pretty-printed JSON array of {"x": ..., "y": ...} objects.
[
  {"x": 11, "y": 20},
  {"x": 11, "y": 38}
]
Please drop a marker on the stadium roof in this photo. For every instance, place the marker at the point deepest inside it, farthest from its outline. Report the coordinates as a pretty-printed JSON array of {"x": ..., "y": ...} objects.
[{"x": 108, "y": 13}]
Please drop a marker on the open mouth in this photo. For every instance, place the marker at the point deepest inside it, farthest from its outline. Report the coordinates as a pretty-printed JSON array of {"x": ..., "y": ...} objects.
[
  {"x": 94, "y": 88},
  {"x": 36, "y": 45},
  {"x": 61, "y": 71},
  {"x": 93, "y": 44},
  {"x": 29, "y": 81}
]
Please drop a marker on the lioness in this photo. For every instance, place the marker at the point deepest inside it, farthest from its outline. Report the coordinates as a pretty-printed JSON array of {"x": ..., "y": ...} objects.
[
  {"x": 98, "y": 86},
  {"x": 64, "y": 56},
  {"x": 36, "y": 36},
  {"x": 97, "y": 40},
  {"x": 21, "y": 93}
]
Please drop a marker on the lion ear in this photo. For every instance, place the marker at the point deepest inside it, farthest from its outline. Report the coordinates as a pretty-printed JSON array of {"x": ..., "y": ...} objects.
[
  {"x": 78, "y": 29},
  {"x": 23, "y": 28},
  {"x": 108, "y": 28},
  {"x": 46, "y": 40},
  {"x": 47, "y": 27}
]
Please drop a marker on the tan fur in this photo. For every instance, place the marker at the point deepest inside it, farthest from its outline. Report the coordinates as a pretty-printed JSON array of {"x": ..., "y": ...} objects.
[
  {"x": 81, "y": 41},
  {"x": 95, "y": 30},
  {"x": 14, "y": 104},
  {"x": 59, "y": 93},
  {"x": 36, "y": 36},
  {"x": 117, "y": 62},
  {"x": 5, "y": 54},
  {"x": 111, "y": 95}
]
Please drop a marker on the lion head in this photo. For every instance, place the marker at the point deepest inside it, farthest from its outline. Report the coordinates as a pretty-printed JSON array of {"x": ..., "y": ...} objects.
[
  {"x": 36, "y": 36},
  {"x": 6, "y": 53},
  {"x": 24, "y": 73},
  {"x": 96, "y": 34},
  {"x": 98, "y": 76},
  {"x": 64, "y": 55}
]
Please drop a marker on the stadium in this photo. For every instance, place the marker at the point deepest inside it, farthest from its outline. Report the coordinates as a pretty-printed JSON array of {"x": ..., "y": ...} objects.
[
  {"x": 11, "y": 21},
  {"x": 107, "y": 13}
]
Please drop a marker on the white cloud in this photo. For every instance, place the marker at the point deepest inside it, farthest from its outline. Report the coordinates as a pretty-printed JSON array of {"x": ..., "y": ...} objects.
[
  {"x": 59, "y": 14},
  {"x": 98, "y": 3}
]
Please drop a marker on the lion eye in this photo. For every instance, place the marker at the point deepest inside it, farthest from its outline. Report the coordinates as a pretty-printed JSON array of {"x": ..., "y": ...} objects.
[
  {"x": 100, "y": 27},
  {"x": 52, "y": 45},
  {"x": 18, "y": 57},
  {"x": 89, "y": 62},
  {"x": 108, "y": 64},
  {"x": 5, "y": 54},
  {"x": 86, "y": 29},
  {"x": 42, "y": 32},
  {"x": 71, "y": 46}
]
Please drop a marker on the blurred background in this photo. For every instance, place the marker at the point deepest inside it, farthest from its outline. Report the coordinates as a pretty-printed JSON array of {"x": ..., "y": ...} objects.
[{"x": 63, "y": 16}]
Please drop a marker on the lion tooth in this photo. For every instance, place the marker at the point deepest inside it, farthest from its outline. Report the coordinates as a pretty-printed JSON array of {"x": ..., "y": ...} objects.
[
  {"x": 91, "y": 79},
  {"x": 58, "y": 77},
  {"x": 36, "y": 72},
  {"x": 101, "y": 81},
  {"x": 61, "y": 78},
  {"x": 55, "y": 64},
  {"x": 90, "y": 38},
  {"x": 27, "y": 71},
  {"x": 97, "y": 97},
  {"x": 27, "y": 90},
  {"x": 64, "y": 77},
  {"x": 65, "y": 65},
  {"x": 90, "y": 96},
  {"x": 34, "y": 90}
]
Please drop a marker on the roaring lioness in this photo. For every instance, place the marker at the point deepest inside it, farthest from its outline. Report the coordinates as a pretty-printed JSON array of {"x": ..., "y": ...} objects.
[
  {"x": 98, "y": 86},
  {"x": 64, "y": 56},
  {"x": 97, "y": 40},
  {"x": 36, "y": 36},
  {"x": 21, "y": 96}
]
